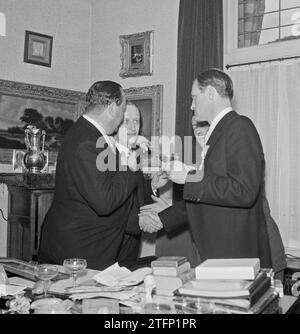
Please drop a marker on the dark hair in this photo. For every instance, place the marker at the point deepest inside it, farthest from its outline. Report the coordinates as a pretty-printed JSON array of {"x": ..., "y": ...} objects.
[
  {"x": 130, "y": 103},
  {"x": 217, "y": 79},
  {"x": 104, "y": 93}
]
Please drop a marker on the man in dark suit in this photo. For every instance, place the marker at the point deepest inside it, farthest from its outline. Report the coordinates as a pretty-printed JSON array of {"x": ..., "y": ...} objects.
[
  {"x": 92, "y": 198},
  {"x": 223, "y": 197}
]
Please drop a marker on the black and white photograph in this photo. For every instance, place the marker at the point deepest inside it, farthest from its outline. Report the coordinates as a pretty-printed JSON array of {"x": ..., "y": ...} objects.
[{"x": 149, "y": 160}]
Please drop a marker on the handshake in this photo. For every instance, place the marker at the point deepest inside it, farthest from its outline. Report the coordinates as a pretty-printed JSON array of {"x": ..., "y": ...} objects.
[{"x": 148, "y": 217}]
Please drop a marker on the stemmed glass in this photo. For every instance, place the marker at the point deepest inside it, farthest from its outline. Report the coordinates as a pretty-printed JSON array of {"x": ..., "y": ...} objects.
[
  {"x": 45, "y": 272},
  {"x": 74, "y": 266}
]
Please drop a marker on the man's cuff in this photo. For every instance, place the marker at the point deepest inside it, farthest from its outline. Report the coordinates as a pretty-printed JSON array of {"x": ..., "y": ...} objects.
[{"x": 154, "y": 191}]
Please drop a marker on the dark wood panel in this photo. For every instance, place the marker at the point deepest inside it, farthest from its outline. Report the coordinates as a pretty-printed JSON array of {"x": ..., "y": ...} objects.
[{"x": 27, "y": 208}]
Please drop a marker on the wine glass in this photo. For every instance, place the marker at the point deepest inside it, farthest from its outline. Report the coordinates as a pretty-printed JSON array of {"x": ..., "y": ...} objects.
[
  {"x": 74, "y": 266},
  {"x": 45, "y": 272}
]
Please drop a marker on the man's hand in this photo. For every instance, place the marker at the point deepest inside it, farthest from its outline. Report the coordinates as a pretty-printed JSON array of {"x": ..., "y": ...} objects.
[
  {"x": 177, "y": 171},
  {"x": 143, "y": 143},
  {"x": 150, "y": 222},
  {"x": 158, "y": 206},
  {"x": 159, "y": 180}
]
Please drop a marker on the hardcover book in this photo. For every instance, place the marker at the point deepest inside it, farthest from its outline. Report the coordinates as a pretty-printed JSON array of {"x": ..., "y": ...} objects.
[
  {"x": 169, "y": 261},
  {"x": 249, "y": 290},
  {"x": 267, "y": 304},
  {"x": 171, "y": 271},
  {"x": 243, "y": 268},
  {"x": 173, "y": 282}
]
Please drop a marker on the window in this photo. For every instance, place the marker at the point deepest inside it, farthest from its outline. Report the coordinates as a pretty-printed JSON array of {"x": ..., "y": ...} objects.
[{"x": 267, "y": 21}]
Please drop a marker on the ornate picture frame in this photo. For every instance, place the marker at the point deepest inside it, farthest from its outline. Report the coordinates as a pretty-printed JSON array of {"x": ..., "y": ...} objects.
[
  {"x": 16, "y": 96},
  {"x": 137, "y": 54},
  {"x": 149, "y": 100},
  {"x": 38, "y": 48}
]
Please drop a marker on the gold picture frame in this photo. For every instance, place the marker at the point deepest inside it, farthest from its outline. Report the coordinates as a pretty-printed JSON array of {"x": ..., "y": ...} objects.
[
  {"x": 20, "y": 94},
  {"x": 149, "y": 101},
  {"x": 137, "y": 54},
  {"x": 38, "y": 49}
]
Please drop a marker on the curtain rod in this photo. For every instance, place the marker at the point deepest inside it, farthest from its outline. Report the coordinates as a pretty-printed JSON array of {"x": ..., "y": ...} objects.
[{"x": 261, "y": 61}]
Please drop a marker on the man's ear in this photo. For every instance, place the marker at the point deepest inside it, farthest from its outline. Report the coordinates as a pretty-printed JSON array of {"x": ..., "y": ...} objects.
[
  {"x": 112, "y": 109},
  {"x": 210, "y": 92}
]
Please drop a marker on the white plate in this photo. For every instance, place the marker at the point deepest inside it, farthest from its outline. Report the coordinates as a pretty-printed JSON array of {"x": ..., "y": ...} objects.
[{"x": 46, "y": 302}]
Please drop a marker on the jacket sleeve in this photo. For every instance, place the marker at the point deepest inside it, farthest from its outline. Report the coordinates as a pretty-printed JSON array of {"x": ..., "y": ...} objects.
[
  {"x": 104, "y": 190},
  {"x": 240, "y": 185},
  {"x": 174, "y": 216},
  {"x": 132, "y": 226},
  {"x": 142, "y": 195},
  {"x": 147, "y": 191}
]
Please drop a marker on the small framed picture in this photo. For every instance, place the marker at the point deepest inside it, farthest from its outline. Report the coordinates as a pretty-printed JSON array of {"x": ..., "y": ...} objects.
[
  {"x": 38, "y": 49},
  {"x": 137, "y": 53}
]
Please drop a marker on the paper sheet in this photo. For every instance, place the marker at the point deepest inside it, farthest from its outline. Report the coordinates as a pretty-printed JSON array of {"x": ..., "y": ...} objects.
[
  {"x": 121, "y": 276},
  {"x": 10, "y": 290}
]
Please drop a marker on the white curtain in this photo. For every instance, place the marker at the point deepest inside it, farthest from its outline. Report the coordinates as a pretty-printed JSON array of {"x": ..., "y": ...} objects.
[{"x": 269, "y": 94}]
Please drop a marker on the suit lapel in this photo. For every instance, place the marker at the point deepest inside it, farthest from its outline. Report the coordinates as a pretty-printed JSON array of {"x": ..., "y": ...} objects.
[{"x": 219, "y": 130}]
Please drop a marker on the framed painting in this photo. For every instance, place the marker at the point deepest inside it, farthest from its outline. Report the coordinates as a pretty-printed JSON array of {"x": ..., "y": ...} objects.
[
  {"x": 137, "y": 53},
  {"x": 149, "y": 101},
  {"x": 38, "y": 48},
  {"x": 51, "y": 109}
]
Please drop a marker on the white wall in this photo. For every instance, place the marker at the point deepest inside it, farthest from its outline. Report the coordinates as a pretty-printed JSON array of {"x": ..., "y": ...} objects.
[
  {"x": 112, "y": 18},
  {"x": 68, "y": 21}
]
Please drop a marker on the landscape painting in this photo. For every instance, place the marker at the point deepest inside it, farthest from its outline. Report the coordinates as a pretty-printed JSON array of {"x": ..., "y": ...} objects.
[{"x": 16, "y": 112}]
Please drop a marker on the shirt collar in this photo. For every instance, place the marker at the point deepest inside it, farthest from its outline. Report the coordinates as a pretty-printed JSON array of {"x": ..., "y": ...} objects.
[
  {"x": 108, "y": 139},
  {"x": 215, "y": 121}
]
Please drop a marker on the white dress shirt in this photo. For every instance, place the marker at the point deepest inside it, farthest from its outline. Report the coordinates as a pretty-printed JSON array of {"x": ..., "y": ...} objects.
[{"x": 107, "y": 138}]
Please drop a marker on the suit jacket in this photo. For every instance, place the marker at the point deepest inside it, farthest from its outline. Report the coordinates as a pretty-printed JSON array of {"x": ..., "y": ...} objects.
[
  {"x": 90, "y": 209},
  {"x": 276, "y": 245},
  {"x": 224, "y": 210},
  {"x": 142, "y": 194},
  {"x": 131, "y": 243}
]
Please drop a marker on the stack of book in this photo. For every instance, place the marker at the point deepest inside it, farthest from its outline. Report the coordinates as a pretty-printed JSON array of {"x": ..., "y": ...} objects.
[
  {"x": 170, "y": 273},
  {"x": 232, "y": 286}
]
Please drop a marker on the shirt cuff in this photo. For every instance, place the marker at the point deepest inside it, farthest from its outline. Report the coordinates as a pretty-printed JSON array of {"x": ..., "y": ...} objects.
[{"x": 154, "y": 191}]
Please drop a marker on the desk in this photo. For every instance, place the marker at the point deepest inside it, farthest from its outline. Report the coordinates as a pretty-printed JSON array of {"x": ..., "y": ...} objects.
[
  {"x": 288, "y": 304},
  {"x": 29, "y": 198}
]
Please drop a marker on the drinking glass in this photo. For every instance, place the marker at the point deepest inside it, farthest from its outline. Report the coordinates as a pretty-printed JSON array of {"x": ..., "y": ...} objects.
[
  {"x": 74, "y": 266},
  {"x": 45, "y": 272},
  {"x": 157, "y": 307}
]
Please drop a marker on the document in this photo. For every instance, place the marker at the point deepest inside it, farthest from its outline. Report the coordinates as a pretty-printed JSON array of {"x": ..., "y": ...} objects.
[{"x": 115, "y": 275}]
